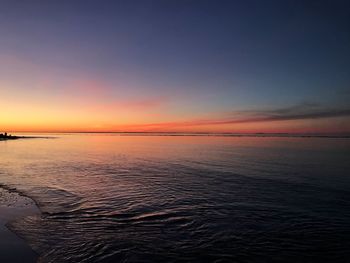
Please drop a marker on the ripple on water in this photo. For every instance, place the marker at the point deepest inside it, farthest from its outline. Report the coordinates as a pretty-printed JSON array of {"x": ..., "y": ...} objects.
[{"x": 181, "y": 202}]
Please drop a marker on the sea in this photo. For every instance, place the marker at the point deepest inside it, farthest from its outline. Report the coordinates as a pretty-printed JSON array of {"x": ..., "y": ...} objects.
[{"x": 182, "y": 198}]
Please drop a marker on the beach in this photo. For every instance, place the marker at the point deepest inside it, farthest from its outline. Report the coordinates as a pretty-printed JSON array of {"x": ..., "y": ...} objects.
[{"x": 13, "y": 206}]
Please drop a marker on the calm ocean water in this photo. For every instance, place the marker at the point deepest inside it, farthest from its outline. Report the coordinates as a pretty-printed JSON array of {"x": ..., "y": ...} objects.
[{"x": 112, "y": 198}]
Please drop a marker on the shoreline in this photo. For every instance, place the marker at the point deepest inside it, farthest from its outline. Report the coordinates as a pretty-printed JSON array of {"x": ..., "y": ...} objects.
[
  {"x": 14, "y": 206},
  {"x": 10, "y": 139}
]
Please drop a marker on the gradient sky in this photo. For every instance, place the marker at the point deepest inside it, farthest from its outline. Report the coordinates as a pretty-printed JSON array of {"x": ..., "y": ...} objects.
[{"x": 175, "y": 65}]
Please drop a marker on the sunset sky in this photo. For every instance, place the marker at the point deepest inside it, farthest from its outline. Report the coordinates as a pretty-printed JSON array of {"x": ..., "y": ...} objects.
[{"x": 175, "y": 66}]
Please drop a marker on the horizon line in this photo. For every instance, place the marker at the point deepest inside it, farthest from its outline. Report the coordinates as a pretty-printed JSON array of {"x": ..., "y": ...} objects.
[{"x": 179, "y": 133}]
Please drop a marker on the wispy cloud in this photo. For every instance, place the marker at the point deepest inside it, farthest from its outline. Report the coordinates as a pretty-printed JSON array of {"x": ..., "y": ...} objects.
[{"x": 298, "y": 112}]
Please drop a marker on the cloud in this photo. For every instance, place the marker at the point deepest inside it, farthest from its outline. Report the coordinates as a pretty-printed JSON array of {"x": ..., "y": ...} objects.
[{"x": 298, "y": 112}]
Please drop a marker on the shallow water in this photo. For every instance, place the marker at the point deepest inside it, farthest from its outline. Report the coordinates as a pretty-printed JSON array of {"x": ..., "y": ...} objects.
[
  {"x": 112, "y": 198},
  {"x": 12, "y": 248}
]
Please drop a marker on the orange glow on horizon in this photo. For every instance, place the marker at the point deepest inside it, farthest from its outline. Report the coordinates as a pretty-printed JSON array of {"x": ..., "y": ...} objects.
[
  {"x": 90, "y": 105},
  {"x": 71, "y": 124}
]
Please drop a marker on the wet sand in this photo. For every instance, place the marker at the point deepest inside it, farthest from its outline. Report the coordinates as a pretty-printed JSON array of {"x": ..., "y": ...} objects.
[{"x": 12, "y": 207}]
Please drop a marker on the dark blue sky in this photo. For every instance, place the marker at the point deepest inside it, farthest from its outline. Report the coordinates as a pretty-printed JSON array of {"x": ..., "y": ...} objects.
[{"x": 212, "y": 56}]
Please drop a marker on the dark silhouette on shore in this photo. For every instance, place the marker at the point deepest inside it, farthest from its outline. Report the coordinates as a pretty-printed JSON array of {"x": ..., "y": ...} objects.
[{"x": 5, "y": 136}]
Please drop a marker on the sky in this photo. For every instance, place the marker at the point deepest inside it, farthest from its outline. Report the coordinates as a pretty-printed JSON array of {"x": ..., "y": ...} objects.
[{"x": 175, "y": 66}]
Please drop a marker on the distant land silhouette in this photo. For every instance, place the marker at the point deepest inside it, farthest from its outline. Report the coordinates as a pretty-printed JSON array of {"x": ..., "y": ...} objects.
[{"x": 5, "y": 136}]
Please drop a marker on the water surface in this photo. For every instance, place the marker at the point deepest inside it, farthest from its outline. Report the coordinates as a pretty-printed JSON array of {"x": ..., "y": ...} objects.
[{"x": 112, "y": 198}]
